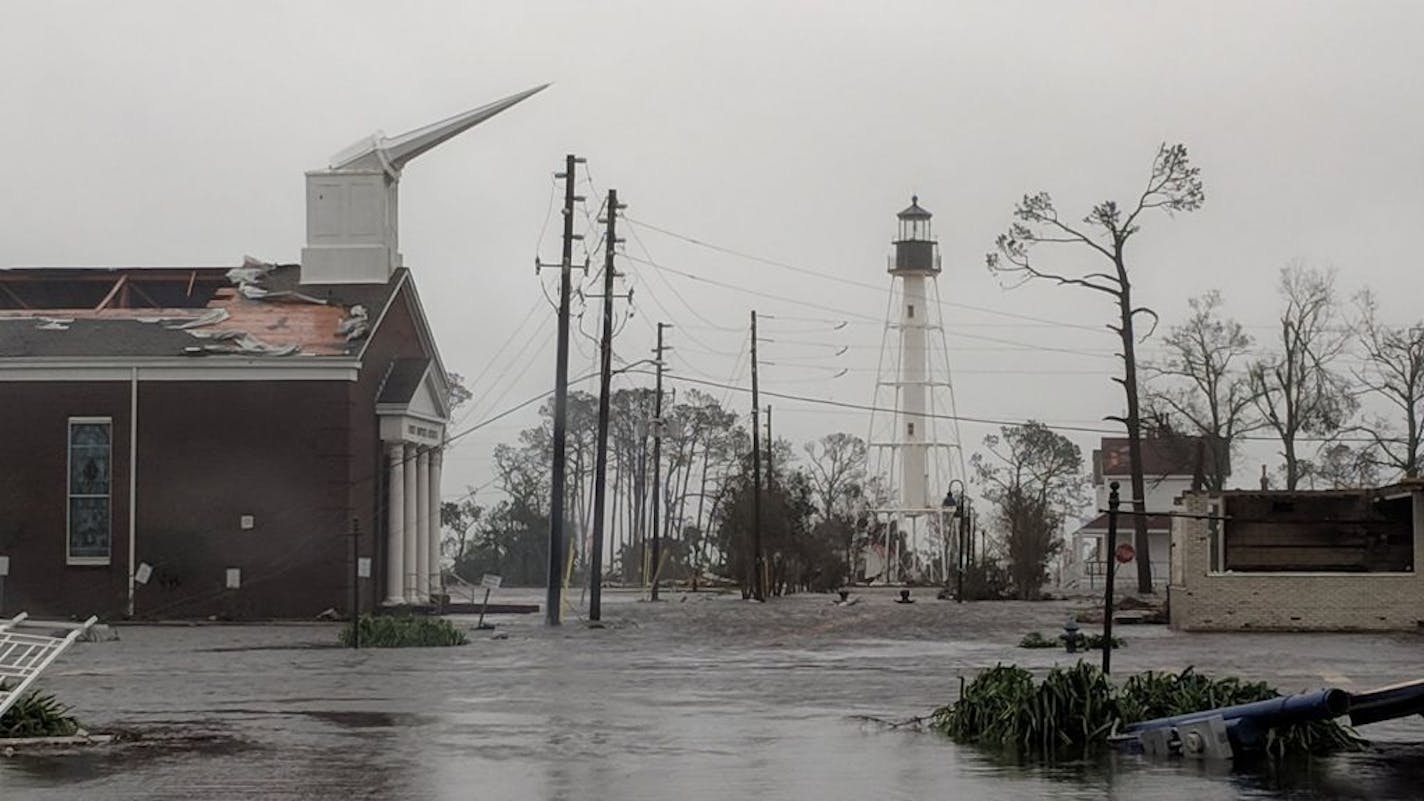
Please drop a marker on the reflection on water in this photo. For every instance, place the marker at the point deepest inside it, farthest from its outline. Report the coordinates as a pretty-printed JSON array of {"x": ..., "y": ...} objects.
[{"x": 707, "y": 699}]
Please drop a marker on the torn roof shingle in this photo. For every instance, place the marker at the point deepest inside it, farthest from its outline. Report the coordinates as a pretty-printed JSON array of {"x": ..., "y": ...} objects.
[
  {"x": 403, "y": 380},
  {"x": 21, "y": 337},
  {"x": 218, "y": 320}
]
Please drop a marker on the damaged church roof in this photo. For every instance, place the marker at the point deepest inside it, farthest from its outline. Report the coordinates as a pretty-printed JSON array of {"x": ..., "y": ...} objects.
[{"x": 256, "y": 310}]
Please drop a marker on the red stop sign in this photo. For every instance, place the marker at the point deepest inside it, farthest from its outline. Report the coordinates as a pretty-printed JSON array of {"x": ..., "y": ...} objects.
[{"x": 1125, "y": 553}]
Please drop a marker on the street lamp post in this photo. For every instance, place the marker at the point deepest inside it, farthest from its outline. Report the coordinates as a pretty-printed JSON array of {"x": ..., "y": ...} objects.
[
  {"x": 951, "y": 501},
  {"x": 966, "y": 542}
]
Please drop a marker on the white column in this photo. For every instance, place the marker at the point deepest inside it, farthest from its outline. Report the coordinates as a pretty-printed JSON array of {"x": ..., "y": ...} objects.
[
  {"x": 422, "y": 527},
  {"x": 437, "y": 456},
  {"x": 395, "y": 525},
  {"x": 412, "y": 524}
]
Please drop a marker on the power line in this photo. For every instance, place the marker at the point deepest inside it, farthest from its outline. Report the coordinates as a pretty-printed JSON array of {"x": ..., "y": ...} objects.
[
  {"x": 833, "y": 310},
  {"x": 789, "y": 363},
  {"x": 518, "y": 361},
  {"x": 695, "y": 313},
  {"x": 668, "y": 312},
  {"x": 861, "y": 407},
  {"x": 850, "y": 281},
  {"x": 548, "y": 213},
  {"x": 500, "y": 352},
  {"x": 1042, "y": 321}
]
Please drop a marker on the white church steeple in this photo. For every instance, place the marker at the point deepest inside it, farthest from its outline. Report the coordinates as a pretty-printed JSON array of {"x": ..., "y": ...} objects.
[{"x": 352, "y": 208}]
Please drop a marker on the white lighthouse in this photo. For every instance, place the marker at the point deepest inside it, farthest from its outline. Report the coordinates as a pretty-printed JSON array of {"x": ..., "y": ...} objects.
[{"x": 914, "y": 438}]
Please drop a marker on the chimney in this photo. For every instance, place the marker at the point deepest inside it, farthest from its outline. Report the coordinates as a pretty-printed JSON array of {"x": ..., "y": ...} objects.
[{"x": 352, "y": 209}]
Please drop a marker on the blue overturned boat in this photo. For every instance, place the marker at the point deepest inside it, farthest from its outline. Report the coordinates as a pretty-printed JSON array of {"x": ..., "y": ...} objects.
[{"x": 1229, "y": 731}]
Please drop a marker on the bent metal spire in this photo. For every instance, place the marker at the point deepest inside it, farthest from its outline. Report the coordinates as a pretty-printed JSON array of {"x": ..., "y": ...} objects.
[{"x": 352, "y": 208}]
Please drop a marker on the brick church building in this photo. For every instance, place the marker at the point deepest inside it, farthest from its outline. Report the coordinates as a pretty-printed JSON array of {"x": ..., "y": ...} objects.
[{"x": 184, "y": 443}]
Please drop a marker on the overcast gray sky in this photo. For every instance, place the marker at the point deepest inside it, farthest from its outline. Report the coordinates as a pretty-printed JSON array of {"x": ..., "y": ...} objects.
[{"x": 177, "y": 133}]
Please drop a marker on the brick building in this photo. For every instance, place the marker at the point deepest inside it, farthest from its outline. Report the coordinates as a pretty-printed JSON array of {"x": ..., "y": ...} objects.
[
  {"x": 1270, "y": 560},
  {"x": 202, "y": 442}
]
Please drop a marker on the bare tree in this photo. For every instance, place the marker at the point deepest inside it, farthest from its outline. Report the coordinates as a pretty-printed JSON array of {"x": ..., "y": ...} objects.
[
  {"x": 1394, "y": 370},
  {"x": 837, "y": 478},
  {"x": 1174, "y": 185},
  {"x": 1295, "y": 388},
  {"x": 837, "y": 462},
  {"x": 1201, "y": 388}
]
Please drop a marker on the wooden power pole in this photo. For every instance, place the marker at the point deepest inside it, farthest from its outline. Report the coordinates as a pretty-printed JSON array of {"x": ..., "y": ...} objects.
[
  {"x": 553, "y": 600},
  {"x": 600, "y": 468},
  {"x": 758, "y": 588},
  {"x": 657, "y": 464}
]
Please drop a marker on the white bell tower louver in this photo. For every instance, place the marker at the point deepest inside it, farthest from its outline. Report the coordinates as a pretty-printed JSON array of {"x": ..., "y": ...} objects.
[{"x": 352, "y": 209}]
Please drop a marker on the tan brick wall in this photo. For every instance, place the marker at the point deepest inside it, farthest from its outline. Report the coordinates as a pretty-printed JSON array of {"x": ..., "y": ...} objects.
[{"x": 1265, "y": 601}]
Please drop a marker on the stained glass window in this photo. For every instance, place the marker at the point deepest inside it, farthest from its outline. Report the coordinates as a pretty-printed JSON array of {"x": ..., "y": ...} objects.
[{"x": 90, "y": 473}]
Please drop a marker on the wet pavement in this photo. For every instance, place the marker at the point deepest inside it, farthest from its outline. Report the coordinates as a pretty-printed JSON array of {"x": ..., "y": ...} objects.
[{"x": 700, "y": 697}]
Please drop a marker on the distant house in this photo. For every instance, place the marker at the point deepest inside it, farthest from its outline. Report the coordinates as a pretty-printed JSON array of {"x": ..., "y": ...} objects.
[
  {"x": 1171, "y": 465},
  {"x": 244, "y": 442},
  {"x": 1322, "y": 560}
]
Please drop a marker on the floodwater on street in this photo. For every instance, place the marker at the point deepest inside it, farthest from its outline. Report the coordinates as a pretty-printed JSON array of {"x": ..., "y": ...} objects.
[{"x": 703, "y": 696}]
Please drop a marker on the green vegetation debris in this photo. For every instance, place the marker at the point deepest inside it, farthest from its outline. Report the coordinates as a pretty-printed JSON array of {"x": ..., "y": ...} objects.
[
  {"x": 38, "y": 715},
  {"x": 1086, "y": 642},
  {"x": 1074, "y": 710},
  {"x": 404, "y": 632},
  {"x": 1094, "y": 642}
]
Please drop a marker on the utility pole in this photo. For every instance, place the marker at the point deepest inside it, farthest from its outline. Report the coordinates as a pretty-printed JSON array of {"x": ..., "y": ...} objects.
[
  {"x": 600, "y": 468},
  {"x": 758, "y": 590},
  {"x": 553, "y": 600},
  {"x": 640, "y": 528},
  {"x": 770, "y": 450},
  {"x": 770, "y": 486},
  {"x": 657, "y": 462}
]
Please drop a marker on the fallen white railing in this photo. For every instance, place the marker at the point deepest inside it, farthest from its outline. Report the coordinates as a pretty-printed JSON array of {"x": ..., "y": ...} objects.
[{"x": 24, "y": 655}]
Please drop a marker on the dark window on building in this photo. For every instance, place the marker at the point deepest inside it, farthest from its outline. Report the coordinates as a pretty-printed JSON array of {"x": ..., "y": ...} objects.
[
  {"x": 910, "y": 312},
  {"x": 90, "y": 490},
  {"x": 1326, "y": 533},
  {"x": 910, "y": 429}
]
